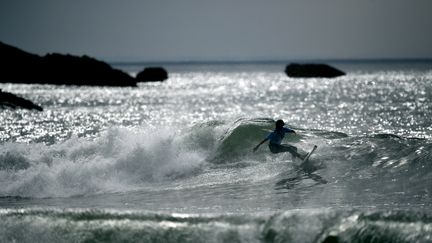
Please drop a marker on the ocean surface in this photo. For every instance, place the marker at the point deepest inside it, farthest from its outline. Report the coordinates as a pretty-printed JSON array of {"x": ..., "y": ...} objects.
[{"x": 172, "y": 161}]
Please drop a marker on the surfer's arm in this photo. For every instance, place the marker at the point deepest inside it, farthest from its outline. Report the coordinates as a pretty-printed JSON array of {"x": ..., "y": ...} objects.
[
  {"x": 263, "y": 141},
  {"x": 289, "y": 130}
]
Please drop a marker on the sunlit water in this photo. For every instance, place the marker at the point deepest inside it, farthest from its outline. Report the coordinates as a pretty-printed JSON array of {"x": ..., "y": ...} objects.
[{"x": 140, "y": 155}]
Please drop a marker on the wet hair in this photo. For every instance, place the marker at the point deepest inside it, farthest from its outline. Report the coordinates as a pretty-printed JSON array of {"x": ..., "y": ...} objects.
[{"x": 280, "y": 123}]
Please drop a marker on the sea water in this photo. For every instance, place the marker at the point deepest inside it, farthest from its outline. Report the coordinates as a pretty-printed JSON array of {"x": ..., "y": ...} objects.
[{"x": 172, "y": 161}]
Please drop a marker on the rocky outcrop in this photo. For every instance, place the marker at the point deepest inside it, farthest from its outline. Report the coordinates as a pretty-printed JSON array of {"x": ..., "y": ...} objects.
[
  {"x": 9, "y": 100},
  {"x": 18, "y": 66},
  {"x": 312, "y": 71},
  {"x": 152, "y": 74}
]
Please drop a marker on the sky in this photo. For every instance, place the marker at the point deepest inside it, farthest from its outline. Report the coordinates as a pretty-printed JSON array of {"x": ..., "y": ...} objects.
[{"x": 220, "y": 30}]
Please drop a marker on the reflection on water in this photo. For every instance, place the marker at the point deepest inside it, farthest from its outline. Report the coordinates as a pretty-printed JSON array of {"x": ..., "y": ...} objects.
[{"x": 397, "y": 102}]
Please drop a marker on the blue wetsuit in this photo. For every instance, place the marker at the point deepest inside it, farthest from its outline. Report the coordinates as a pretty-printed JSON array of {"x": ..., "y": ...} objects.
[
  {"x": 276, "y": 136},
  {"x": 275, "y": 140}
]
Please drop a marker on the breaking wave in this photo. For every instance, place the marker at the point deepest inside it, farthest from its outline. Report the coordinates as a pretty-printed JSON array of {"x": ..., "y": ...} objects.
[{"x": 132, "y": 159}]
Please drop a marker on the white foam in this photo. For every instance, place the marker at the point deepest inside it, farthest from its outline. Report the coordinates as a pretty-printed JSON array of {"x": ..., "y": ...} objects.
[{"x": 119, "y": 160}]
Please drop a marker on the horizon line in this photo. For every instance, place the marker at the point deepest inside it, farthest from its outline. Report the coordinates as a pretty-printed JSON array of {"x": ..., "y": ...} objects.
[{"x": 330, "y": 60}]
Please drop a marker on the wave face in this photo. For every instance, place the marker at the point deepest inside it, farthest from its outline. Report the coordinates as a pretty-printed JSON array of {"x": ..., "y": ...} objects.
[{"x": 317, "y": 225}]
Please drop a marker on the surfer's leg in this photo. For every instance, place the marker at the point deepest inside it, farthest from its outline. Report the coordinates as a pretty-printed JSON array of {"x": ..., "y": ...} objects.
[
  {"x": 276, "y": 148},
  {"x": 292, "y": 150}
]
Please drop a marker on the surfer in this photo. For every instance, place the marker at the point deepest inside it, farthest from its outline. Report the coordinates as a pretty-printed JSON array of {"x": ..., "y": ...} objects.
[{"x": 275, "y": 140}]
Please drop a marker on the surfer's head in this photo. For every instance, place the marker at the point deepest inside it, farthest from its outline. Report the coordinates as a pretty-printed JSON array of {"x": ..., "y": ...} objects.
[{"x": 279, "y": 124}]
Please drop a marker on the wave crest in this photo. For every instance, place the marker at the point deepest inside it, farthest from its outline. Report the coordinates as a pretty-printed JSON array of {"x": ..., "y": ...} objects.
[{"x": 120, "y": 160}]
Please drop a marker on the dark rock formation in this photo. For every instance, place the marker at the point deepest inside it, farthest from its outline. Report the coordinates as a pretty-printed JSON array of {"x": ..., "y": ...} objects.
[
  {"x": 152, "y": 74},
  {"x": 17, "y": 66},
  {"x": 9, "y": 100},
  {"x": 312, "y": 71}
]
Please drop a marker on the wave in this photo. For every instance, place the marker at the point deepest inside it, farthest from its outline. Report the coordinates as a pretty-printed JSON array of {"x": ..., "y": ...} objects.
[
  {"x": 121, "y": 159},
  {"x": 307, "y": 225}
]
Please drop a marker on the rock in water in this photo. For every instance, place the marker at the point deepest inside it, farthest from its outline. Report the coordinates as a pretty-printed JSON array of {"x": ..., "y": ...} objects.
[
  {"x": 9, "y": 100},
  {"x": 152, "y": 74},
  {"x": 18, "y": 66},
  {"x": 312, "y": 71}
]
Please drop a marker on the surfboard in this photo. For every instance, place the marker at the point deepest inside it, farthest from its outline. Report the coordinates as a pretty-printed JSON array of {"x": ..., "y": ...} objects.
[
  {"x": 309, "y": 154},
  {"x": 301, "y": 175}
]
